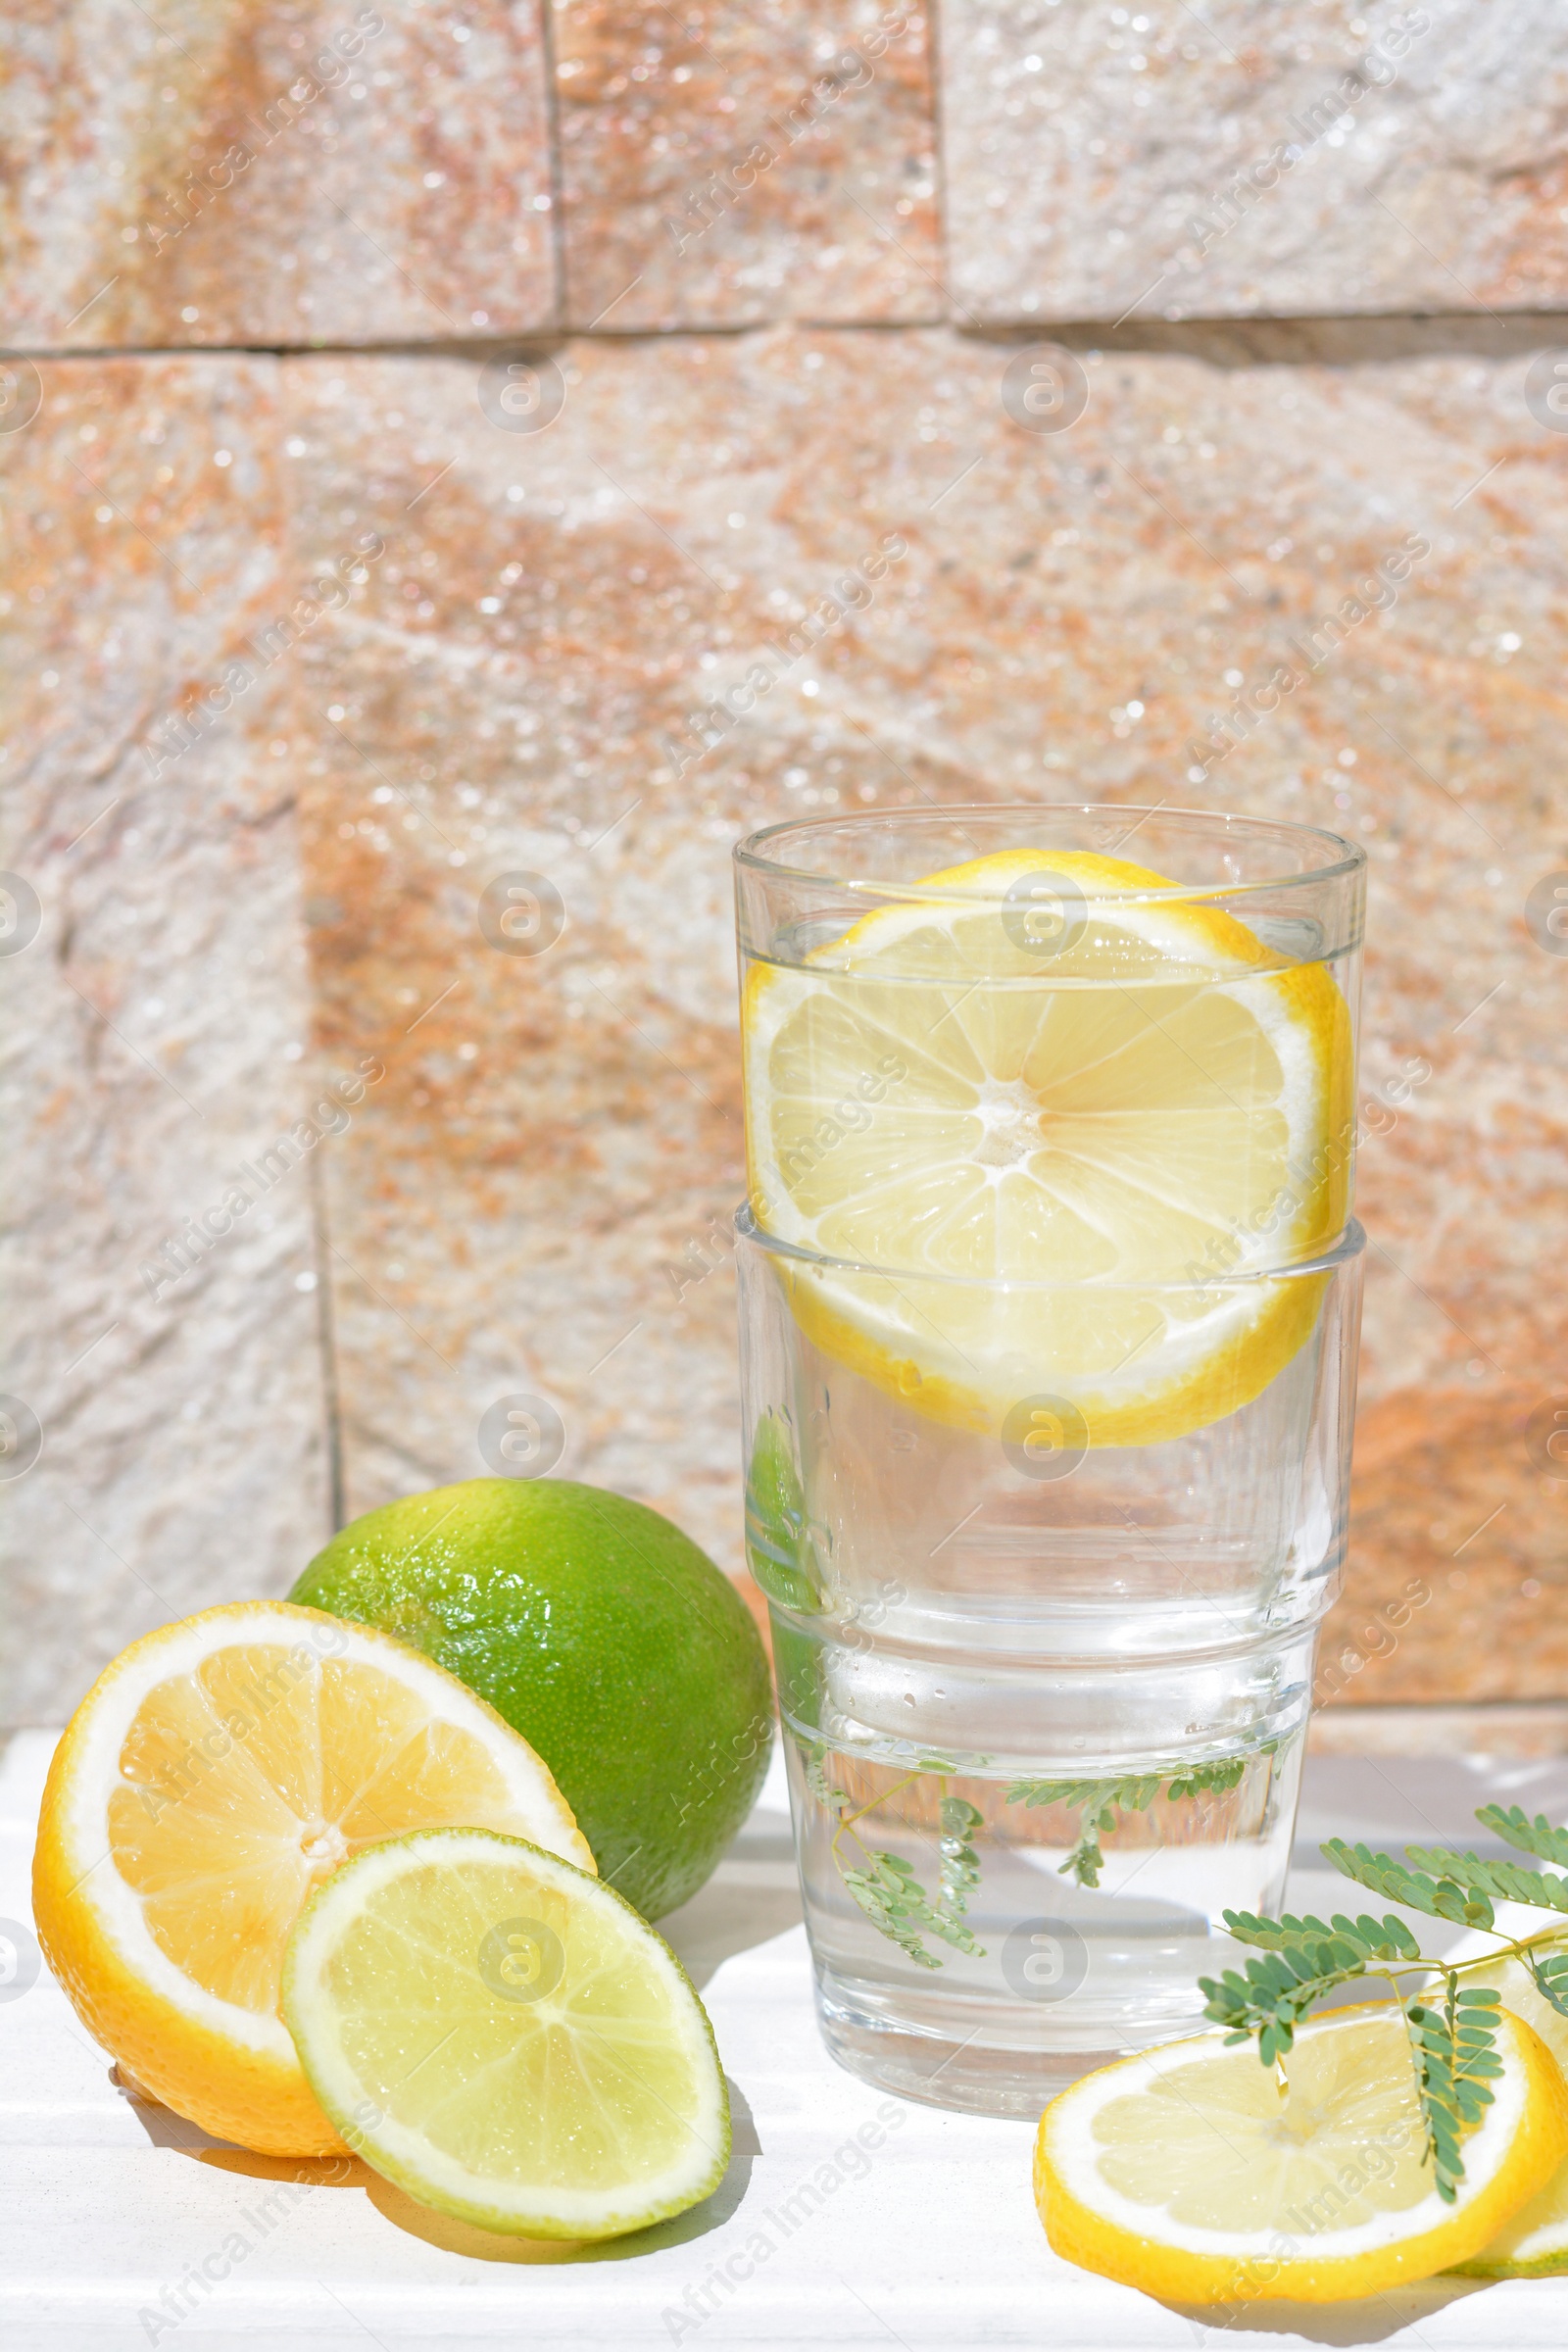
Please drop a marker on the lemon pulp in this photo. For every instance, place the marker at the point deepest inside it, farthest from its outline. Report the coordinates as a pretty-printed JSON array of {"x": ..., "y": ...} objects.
[
  {"x": 216, "y": 1772},
  {"x": 1534, "y": 2241},
  {"x": 1191, "y": 2173},
  {"x": 1159, "y": 1103}
]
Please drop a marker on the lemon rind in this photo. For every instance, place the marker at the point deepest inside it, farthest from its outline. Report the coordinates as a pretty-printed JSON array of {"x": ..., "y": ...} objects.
[
  {"x": 232, "y": 2071},
  {"x": 1267, "y": 1325},
  {"x": 1521, "y": 2140}
]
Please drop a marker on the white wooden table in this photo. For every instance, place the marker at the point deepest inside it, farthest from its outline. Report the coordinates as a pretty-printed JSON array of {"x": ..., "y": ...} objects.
[{"x": 846, "y": 2219}]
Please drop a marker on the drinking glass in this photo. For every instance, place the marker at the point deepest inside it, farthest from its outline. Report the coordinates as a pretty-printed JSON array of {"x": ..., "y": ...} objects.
[{"x": 1048, "y": 1502}]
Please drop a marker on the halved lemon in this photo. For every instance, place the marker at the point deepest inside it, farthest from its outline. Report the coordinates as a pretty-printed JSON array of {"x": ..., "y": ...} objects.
[
  {"x": 212, "y": 1776},
  {"x": 1189, "y": 2173},
  {"x": 1078, "y": 1082},
  {"x": 1533, "y": 2243},
  {"x": 507, "y": 2038}
]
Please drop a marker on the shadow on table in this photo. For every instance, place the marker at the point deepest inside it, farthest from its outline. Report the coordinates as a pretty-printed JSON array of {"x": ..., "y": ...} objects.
[
  {"x": 166, "y": 2129},
  {"x": 730, "y": 1914},
  {"x": 483, "y": 2245},
  {"x": 1371, "y": 2320},
  {"x": 723, "y": 1918}
]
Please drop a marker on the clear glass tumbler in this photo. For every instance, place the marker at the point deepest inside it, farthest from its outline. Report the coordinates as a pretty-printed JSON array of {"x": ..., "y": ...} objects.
[{"x": 1049, "y": 1298}]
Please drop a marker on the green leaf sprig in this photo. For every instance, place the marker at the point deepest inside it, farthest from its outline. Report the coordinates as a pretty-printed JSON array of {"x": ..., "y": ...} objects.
[
  {"x": 884, "y": 1885},
  {"x": 1099, "y": 1804},
  {"x": 1451, "y": 2027}
]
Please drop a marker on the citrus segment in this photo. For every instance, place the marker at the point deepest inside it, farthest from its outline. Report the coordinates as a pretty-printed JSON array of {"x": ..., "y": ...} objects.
[
  {"x": 1188, "y": 2172},
  {"x": 1154, "y": 1098},
  {"x": 1533, "y": 2243},
  {"x": 506, "y": 2038},
  {"x": 214, "y": 1774}
]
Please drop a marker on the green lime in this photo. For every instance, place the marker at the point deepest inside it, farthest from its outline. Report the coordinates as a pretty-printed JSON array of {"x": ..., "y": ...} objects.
[
  {"x": 778, "y": 1546},
  {"x": 602, "y": 1633}
]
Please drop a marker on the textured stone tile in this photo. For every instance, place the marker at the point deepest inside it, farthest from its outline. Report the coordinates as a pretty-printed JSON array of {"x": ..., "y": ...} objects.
[
  {"x": 302, "y": 173},
  {"x": 1075, "y": 614},
  {"x": 1311, "y": 156},
  {"x": 727, "y": 163},
  {"x": 155, "y": 1025},
  {"x": 1456, "y": 1524}
]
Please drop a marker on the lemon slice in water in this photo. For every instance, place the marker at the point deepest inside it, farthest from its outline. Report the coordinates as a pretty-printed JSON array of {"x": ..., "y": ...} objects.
[{"x": 1084, "y": 1084}]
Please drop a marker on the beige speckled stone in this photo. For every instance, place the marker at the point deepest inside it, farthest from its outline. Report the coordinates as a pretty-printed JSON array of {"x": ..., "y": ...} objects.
[
  {"x": 231, "y": 172},
  {"x": 1072, "y": 614},
  {"x": 156, "y": 1026},
  {"x": 742, "y": 160},
  {"x": 1311, "y": 156}
]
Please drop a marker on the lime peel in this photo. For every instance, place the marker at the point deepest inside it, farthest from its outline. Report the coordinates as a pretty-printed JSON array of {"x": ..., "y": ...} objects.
[{"x": 506, "y": 2038}]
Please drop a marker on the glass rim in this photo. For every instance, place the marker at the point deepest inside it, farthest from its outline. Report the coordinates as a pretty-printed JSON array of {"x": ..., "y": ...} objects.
[
  {"x": 755, "y": 856},
  {"x": 1350, "y": 1245}
]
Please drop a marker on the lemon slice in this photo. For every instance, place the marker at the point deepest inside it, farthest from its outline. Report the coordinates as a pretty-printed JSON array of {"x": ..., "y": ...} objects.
[
  {"x": 213, "y": 1774},
  {"x": 1533, "y": 2242},
  {"x": 1187, "y": 2173},
  {"x": 506, "y": 2038},
  {"x": 1084, "y": 1084}
]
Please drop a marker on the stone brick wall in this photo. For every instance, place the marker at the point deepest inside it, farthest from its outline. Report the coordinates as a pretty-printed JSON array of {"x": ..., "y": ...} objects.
[{"x": 415, "y": 415}]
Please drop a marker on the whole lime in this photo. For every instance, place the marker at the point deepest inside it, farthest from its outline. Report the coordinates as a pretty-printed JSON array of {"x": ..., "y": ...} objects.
[{"x": 602, "y": 1633}]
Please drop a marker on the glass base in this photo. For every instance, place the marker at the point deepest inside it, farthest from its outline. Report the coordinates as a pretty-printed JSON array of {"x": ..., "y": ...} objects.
[{"x": 982, "y": 2058}]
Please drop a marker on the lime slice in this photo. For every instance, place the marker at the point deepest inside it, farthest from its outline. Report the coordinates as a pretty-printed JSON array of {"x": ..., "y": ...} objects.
[
  {"x": 1160, "y": 1099},
  {"x": 1190, "y": 2173},
  {"x": 503, "y": 2037}
]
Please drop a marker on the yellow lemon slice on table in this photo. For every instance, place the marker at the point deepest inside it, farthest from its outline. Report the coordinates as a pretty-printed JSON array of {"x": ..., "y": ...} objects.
[
  {"x": 1073, "y": 1082},
  {"x": 1187, "y": 2173},
  {"x": 506, "y": 2038},
  {"x": 212, "y": 1776},
  {"x": 1533, "y": 2243}
]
